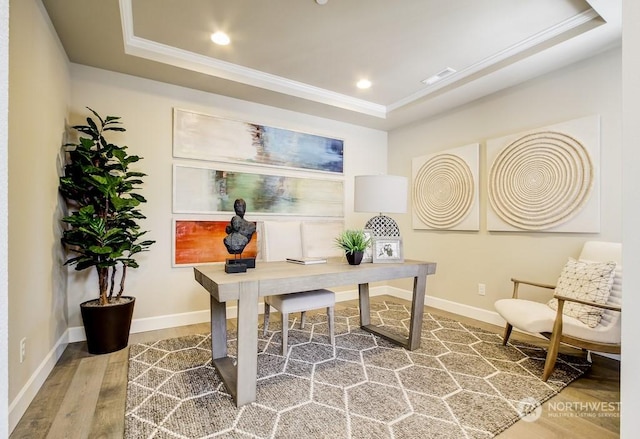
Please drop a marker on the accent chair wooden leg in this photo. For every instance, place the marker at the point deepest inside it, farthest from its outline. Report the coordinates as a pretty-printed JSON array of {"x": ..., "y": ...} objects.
[
  {"x": 330, "y": 318},
  {"x": 303, "y": 319},
  {"x": 265, "y": 326},
  {"x": 552, "y": 355},
  {"x": 554, "y": 343},
  {"x": 507, "y": 334},
  {"x": 285, "y": 332}
]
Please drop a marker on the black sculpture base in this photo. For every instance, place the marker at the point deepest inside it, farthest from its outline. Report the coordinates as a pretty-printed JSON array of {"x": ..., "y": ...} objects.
[
  {"x": 232, "y": 266},
  {"x": 239, "y": 265},
  {"x": 249, "y": 262}
]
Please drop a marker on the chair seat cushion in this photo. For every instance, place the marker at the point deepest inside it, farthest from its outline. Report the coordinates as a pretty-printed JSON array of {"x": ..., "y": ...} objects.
[
  {"x": 302, "y": 301},
  {"x": 536, "y": 317},
  {"x": 584, "y": 280}
]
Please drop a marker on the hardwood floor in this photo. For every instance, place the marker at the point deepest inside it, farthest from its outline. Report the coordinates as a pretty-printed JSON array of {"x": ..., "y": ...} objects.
[{"x": 84, "y": 396}]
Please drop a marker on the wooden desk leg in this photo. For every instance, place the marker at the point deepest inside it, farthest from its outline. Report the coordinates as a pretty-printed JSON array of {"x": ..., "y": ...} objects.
[
  {"x": 218, "y": 329},
  {"x": 247, "y": 367},
  {"x": 417, "y": 309},
  {"x": 365, "y": 308}
]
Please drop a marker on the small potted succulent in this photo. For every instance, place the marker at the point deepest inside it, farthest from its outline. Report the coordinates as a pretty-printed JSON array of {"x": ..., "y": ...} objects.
[
  {"x": 354, "y": 242},
  {"x": 102, "y": 230}
]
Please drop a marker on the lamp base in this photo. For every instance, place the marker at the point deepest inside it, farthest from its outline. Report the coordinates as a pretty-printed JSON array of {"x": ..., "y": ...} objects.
[{"x": 382, "y": 225}]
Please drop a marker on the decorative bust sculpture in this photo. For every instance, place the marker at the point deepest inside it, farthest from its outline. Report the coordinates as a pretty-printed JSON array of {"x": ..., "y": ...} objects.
[{"x": 239, "y": 233}]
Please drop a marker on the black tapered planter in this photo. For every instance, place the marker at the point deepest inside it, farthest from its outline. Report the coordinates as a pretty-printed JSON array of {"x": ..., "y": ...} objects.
[
  {"x": 354, "y": 258},
  {"x": 107, "y": 327}
]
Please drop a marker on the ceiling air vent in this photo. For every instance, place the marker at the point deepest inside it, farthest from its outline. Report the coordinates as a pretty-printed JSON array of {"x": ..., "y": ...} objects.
[{"x": 439, "y": 76}]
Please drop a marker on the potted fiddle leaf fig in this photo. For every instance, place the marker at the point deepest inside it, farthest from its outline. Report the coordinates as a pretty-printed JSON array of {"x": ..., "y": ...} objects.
[
  {"x": 354, "y": 243},
  {"x": 102, "y": 230}
]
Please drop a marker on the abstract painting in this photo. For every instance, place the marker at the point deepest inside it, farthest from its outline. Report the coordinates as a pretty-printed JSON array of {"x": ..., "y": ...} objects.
[
  {"x": 445, "y": 190},
  {"x": 206, "y": 190},
  {"x": 203, "y": 137},
  {"x": 200, "y": 242},
  {"x": 546, "y": 179}
]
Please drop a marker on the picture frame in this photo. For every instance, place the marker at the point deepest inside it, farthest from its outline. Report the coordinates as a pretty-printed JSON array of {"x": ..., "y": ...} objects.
[
  {"x": 368, "y": 253},
  {"x": 454, "y": 174},
  {"x": 387, "y": 249},
  {"x": 211, "y": 138},
  {"x": 211, "y": 190},
  {"x": 567, "y": 198},
  {"x": 200, "y": 242}
]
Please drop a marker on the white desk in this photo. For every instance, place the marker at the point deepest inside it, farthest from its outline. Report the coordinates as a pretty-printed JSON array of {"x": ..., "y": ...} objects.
[{"x": 270, "y": 278}]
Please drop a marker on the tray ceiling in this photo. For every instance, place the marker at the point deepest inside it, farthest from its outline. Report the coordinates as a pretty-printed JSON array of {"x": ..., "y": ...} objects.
[{"x": 307, "y": 57}]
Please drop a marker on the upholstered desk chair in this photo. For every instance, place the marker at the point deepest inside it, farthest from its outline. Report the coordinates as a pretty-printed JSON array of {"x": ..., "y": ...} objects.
[
  {"x": 281, "y": 240},
  {"x": 585, "y": 313}
]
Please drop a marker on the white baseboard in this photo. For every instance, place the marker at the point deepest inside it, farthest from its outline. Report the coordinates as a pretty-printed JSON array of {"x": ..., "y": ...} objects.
[
  {"x": 76, "y": 333},
  {"x": 21, "y": 402},
  {"x": 472, "y": 312}
]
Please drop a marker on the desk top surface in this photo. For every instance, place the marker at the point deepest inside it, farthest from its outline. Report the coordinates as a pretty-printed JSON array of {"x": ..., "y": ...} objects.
[{"x": 284, "y": 277}]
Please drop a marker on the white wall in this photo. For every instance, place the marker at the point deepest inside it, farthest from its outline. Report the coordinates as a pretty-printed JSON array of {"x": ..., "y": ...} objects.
[
  {"x": 630, "y": 379},
  {"x": 468, "y": 258},
  {"x": 146, "y": 108},
  {"x": 39, "y": 93}
]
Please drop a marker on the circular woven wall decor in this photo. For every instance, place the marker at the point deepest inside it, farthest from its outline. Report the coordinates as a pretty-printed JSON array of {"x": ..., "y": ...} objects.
[
  {"x": 443, "y": 191},
  {"x": 541, "y": 180}
]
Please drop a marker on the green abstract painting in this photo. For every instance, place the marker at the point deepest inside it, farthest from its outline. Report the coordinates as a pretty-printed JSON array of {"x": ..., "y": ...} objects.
[{"x": 205, "y": 190}]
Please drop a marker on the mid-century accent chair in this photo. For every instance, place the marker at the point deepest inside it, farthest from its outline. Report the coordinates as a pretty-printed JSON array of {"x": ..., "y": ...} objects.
[
  {"x": 281, "y": 240},
  {"x": 586, "y": 308}
]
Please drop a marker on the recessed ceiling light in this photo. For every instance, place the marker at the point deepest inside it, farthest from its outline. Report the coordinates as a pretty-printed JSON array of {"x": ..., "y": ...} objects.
[
  {"x": 363, "y": 84},
  {"x": 439, "y": 76},
  {"x": 321, "y": 2},
  {"x": 220, "y": 38}
]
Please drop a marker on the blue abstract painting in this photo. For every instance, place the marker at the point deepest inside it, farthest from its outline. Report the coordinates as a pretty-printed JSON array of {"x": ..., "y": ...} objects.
[{"x": 203, "y": 137}]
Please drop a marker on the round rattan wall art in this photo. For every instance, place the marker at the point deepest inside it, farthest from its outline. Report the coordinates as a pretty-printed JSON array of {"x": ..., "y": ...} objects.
[
  {"x": 443, "y": 191},
  {"x": 540, "y": 181}
]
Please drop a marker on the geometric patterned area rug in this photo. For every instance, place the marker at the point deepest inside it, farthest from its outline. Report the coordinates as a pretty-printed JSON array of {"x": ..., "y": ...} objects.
[{"x": 461, "y": 383}]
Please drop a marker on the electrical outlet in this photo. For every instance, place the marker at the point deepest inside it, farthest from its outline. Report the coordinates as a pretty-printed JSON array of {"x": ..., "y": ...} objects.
[
  {"x": 482, "y": 289},
  {"x": 23, "y": 349}
]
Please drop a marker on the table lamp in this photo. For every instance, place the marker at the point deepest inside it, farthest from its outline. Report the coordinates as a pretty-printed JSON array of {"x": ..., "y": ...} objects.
[{"x": 382, "y": 194}]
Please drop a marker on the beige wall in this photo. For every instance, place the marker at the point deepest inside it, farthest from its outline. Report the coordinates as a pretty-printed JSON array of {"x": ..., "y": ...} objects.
[
  {"x": 38, "y": 97},
  {"x": 4, "y": 203},
  {"x": 630, "y": 379},
  {"x": 146, "y": 109},
  {"x": 468, "y": 258}
]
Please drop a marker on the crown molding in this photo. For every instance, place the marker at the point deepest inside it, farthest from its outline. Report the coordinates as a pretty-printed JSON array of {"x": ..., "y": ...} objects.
[
  {"x": 154, "y": 51},
  {"x": 521, "y": 46},
  {"x": 184, "y": 59}
]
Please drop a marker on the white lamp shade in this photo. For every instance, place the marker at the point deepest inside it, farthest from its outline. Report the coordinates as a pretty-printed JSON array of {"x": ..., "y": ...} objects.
[{"x": 380, "y": 193}]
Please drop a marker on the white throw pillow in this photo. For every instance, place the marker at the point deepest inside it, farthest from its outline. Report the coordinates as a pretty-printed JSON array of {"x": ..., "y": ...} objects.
[{"x": 583, "y": 280}]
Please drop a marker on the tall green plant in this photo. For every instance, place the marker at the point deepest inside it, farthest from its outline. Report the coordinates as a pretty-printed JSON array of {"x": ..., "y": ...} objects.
[{"x": 103, "y": 228}]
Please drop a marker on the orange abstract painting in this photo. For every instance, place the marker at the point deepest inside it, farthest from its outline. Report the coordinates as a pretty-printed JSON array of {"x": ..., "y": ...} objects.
[{"x": 200, "y": 242}]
